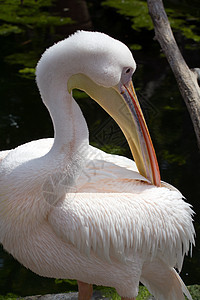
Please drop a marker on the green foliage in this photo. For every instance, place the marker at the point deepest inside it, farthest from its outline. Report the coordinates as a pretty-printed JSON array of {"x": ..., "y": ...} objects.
[
  {"x": 109, "y": 293},
  {"x": 28, "y": 59},
  {"x": 30, "y": 14},
  {"x": 32, "y": 21},
  {"x": 71, "y": 282},
  {"x": 112, "y": 294},
  {"x": 27, "y": 73},
  {"x": 135, "y": 9},
  {"x": 180, "y": 18},
  {"x": 135, "y": 47},
  {"x": 9, "y": 296},
  {"x": 194, "y": 291},
  {"x": 77, "y": 94},
  {"x": 184, "y": 22},
  {"x": 7, "y": 29},
  {"x": 143, "y": 293}
]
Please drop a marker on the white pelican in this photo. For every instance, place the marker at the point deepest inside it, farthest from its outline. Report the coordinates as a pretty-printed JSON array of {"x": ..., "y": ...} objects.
[{"x": 69, "y": 210}]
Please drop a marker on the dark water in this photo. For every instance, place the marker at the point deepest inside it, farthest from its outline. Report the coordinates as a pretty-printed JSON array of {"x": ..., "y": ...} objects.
[{"x": 23, "y": 118}]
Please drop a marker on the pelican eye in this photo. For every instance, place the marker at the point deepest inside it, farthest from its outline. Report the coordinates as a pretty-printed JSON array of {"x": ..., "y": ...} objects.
[{"x": 126, "y": 75}]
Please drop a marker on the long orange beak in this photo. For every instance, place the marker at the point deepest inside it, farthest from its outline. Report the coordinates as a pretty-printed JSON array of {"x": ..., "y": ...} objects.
[
  {"x": 146, "y": 162},
  {"x": 121, "y": 103}
]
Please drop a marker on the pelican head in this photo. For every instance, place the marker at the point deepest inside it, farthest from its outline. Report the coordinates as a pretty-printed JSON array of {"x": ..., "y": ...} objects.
[{"x": 103, "y": 68}]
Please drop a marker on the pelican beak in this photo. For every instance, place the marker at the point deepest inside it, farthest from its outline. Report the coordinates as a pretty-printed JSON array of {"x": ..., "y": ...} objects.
[
  {"x": 138, "y": 136},
  {"x": 122, "y": 104}
]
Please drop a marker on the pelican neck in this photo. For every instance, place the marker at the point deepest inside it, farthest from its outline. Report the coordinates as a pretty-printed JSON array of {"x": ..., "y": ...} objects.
[{"x": 70, "y": 128}]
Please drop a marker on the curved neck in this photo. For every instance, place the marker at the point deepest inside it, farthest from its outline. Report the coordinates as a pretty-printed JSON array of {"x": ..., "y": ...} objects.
[{"x": 70, "y": 128}]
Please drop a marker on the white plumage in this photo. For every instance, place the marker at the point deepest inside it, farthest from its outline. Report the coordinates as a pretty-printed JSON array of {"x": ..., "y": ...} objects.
[{"x": 69, "y": 210}]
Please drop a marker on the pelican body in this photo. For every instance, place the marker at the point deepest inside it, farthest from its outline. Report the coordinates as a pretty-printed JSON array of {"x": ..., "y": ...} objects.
[{"x": 69, "y": 210}]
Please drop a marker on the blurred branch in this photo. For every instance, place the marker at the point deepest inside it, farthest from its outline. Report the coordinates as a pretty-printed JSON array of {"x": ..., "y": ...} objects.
[{"x": 186, "y": 78}]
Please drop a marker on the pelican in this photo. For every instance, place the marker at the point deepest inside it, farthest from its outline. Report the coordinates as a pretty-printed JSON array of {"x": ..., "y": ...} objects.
[{"x": 69, "y": 210}]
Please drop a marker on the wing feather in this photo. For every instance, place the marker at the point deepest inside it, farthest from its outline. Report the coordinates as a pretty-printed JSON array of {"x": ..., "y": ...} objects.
[{"x": 117, "y": 225}]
